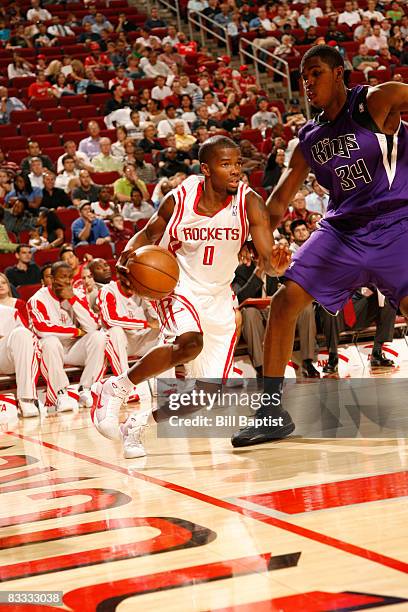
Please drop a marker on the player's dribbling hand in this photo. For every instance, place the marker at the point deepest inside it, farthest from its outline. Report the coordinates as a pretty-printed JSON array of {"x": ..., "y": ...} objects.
[{"x": 280, "y": 258}]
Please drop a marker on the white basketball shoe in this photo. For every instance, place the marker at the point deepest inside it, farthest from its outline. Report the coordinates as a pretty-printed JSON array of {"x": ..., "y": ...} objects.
[
  {"x": 108, "y": 397},
  {"x": 132, "y": 435}
]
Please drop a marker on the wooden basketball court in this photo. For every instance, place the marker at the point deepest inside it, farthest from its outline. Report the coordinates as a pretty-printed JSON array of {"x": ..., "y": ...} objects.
[{"x": 298, "y": 525}]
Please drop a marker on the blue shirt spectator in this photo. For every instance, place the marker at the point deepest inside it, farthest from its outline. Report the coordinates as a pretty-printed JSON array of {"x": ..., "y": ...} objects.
[{"x": 88, "y": 229}]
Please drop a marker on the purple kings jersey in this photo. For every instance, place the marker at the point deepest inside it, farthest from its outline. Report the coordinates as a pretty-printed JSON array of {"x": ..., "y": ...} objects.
[{"x": 365, "y": 172}]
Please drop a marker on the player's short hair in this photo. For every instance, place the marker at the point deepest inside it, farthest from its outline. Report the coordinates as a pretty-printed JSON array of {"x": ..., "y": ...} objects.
[
  {"x": 215, "y": 142},
  {"x": 328, "y": 55},
  {"x": 57, "y": 265}
]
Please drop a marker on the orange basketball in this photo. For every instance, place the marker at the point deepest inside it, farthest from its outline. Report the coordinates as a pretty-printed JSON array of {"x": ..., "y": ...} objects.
[{"x": 153, "y": 272}]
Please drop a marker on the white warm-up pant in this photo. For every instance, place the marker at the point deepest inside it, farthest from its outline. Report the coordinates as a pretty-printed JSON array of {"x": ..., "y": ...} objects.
[
  {"x": 123, "y": 343},
  {"x": 18, "y": 356},
  {"x": 88, "y": 351}
]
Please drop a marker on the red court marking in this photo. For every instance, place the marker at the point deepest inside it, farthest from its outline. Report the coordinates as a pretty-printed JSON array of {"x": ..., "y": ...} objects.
[
  {"x": 334, "y": 494},
  {"x": 369, "y": 555},
  {"x": 314, "y": 601}
]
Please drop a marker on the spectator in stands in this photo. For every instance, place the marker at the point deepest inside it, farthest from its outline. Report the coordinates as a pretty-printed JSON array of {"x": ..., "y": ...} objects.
[
  {"x": 149, "y": 143},
  {"x": 123, "y": 186},
  {"x": 371, "y": 13},
  {"x": 154, "y": 20},
  {"x": 87, "y": 35},
  {"x": 46, "y": 277},
  {"x": 252, "y": 159},
  {"x": 22, "y": 188},
  {"x": 5, "y": 32},
  {"x": 33, "y": 150},
  {"x": 299, "y": 231},
  {"x": 186, "y": 110},
  {"x": 350, "y": 16},
  {"x": 18, "y": 356},
  {"x": 90, "y": 288},
  {"x": 36, "y": 13},
  {"x": 148, "y": 40},
  {"x": 223, "y": 18},
  {"x": 368, "y": 306},
  {"x": 53, "y": 197},
  {"x": 204, "y": 119},
  {"x": 233, "y": 121},
  {"x": 306, "y": 20},
  {"x": 17, "y": 218},
  {"x": 387, "y": 60},
  {"x": 318, "y": 199},
  {"x": 166, "y": 126},
  {"x": 43, "y": 38},
  {"x": 172, "y": 59},
  {"x": 68, "y": 255},
  {"x": 160, "y": 90},
  {"x": 264, "y": 118},
  {"x": 124, "y": 25},
  {"x": 145, "y": 170},
  {"x": 68, "y": 333},
  {"x": 105, "y": 161},
  {"x": 294, "y": 116},
  {"x": 86, "y": 190},
  {"x": 377, "y": 40},
  {"x": 275, "y": 165},
  {"x": 6, "y": 246},
  {"x": 91, "y": 145},
  {"x": 154, "y": 112},
  {"x": 69, "y": 177},
  {"x": 81, "y": 160},
  {"x": 101, "y": 23},
  {"x": 137, "y": 208},
  {"x": 118, "y": 231},
  {"x": 8, "y": 105},
  {"x": 246, "y": 80},
  {"x": 59, "y": 29},
  {"x": 313, "y": 220},
  {"x": 363, "y": 30},
  {"x": 116, "y": 102},
  {"x": 386, "y": 27},
  {"x": 118, "y": 147},
  {"x": 298, "y": 209},
  {"x": 154, "y": 67},
  {"x": 104, "y": 208},
  {"x": 121, "y": 79},
  {"x": 395, "y": 13},
  {"x": 25, "y": 271},
  {"x": 88, "y": 229},
  {"x": 135, "y": 126},
  {"x": 171, "y": 36},
  {"x": 50, "y": 228},
  {"x": 170, "y": 166},
  {"x": 183, "y": 141},
  {"x": 19, "y": 67},
  {"x": 363, "y": 61},
  {"x": 36, "y": 176}
]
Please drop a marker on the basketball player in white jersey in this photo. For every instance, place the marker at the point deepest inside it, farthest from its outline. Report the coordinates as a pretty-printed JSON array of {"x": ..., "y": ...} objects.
[{"x": 204, "y": 222}]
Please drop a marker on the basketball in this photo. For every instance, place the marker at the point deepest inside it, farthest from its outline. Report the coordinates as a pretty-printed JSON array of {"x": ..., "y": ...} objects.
[{"x": 153, "y": 272}]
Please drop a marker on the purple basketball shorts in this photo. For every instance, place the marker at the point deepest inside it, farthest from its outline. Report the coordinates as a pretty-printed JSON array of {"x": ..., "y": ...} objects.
[{"x": 331, "y": 265}]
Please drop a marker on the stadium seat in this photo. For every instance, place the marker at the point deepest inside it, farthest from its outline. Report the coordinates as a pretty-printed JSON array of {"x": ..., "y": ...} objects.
[
  {"x": 65, "y": 125},
  {"x": 99, "y": 99},
  {"x": 31, "y": 128},
  {"x": 86, "y": 110},
  {"x": 20, "y": 82},
  {"x": 6, "y": 260},
  {"x": 75, "y": 136},
  {"x": 8, "y": 129},
  {"x": 48, "y": 140},
  {"x": 96, "y": 250},
  {"x": 16, "y": 156},
  {"x": 40, "y": 103},
  {"x": 54, "y": 152},
  {"x": 255, "y": 178},
  {"x": 11, "y": 143},
  {"x": 104, "y": 178},
  {"x": 27, "y": 291},
  {"x": 44, "y": 256},
  {"x": 252, "y": 135},
  {"x": 23, "y": 116},
  {"x": 53, "y": 114},
  {"x": 71, "y": 101}
]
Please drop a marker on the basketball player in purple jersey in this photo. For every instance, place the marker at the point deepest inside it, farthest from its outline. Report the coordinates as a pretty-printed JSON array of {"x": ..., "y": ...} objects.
[{"x": 358, "y": 149}]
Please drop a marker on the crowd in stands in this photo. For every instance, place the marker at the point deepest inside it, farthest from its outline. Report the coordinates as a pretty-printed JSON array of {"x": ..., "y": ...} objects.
[{"x": 102, "y": 112}]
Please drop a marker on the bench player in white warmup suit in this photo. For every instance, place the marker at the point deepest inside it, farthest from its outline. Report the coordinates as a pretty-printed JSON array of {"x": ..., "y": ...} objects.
[
  {"x": 204, "y": 222},
  {"x": 69, "y": 334},
  {"x": 19, "y": 356}
]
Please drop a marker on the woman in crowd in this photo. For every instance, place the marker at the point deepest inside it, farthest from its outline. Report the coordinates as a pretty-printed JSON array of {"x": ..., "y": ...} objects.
[{"x": 7, "y": 299}]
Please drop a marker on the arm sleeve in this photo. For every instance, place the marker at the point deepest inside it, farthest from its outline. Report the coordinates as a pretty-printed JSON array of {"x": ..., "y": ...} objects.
[
  {"x": 110, "y": 316},
  {"x": 43, "y": 325},
  {"x": 245, "y": 287},
  {"x": 86, "y": 318}
]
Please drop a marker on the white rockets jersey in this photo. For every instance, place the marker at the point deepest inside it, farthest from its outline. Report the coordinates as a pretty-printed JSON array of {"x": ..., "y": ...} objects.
[
  {"x": 206, "y": 248},
  {"x": 120, "y": 310}
]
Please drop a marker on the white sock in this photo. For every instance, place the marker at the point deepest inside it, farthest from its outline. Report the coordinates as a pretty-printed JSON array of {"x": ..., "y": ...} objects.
[{"x": 124, "y": 383}]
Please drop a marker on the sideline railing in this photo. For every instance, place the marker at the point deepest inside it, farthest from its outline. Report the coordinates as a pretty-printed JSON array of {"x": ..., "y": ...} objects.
[
  {"x": 208, "y": 25},
  {"x": 247, "y": 48}
]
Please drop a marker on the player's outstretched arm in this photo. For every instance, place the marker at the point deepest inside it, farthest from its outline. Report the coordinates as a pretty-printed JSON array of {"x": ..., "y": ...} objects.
[
  {"x": 385, "y": 102},
  {"x": 289, "y": 183},
  {"x": 274, "y": 258}
]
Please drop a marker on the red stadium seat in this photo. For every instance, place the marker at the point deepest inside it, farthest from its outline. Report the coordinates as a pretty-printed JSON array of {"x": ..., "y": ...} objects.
[
  {"x": 23, "y": 116},
  {"x": 255, "y": 178},
  {"x": 8, "y": 130},
  {"x": 27, "y": 291},
  {"x": 99, "y": 120},
  {"x": 71, "y": 101},
  {"x": 12, "y": 143},
  {"x": 65, "y": 125},
  {"x": 85, "y": 110},
  {"x": 54, "y": 153},
  {"x": 32, "y": 128},
  {"x": 99, "y": 99},
  {"x": 109, "y": 134},
  {"x": 96, "y": 250},
  {"x": 21, "y": 82},
  {"x": 119, "y": 246},
  {"x": 40, "y": 103},
  {"x": 104, "y": 178},
  {"x": 252, "y": 135},
  {"x": 75, "y": 136},
  {"x": 17, "y": 156},
  {"x": 46, "y": 256},
  {"x": 53, "y": 114},
  {"x": 48, "y": 140},
  {"x": 6, "y": 260}
]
